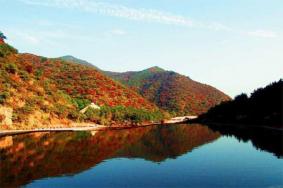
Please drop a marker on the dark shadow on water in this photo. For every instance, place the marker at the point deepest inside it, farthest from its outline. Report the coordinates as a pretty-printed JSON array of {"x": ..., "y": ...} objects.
[{"x": 265, "y": 139}]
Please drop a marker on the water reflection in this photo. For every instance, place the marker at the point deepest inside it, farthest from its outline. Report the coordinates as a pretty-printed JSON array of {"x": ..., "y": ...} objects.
[
  {"x": 162, "y": 142},
  {"x": 269, "y": 140},
  {"x": 29, "y": 157},
  {"x": 33, "y": 156}
]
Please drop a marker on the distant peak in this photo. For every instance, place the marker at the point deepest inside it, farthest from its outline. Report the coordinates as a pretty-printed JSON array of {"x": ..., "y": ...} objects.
[
  {"x": 77, "y": 60},
  {"x": 68, "y": 57},
  {"x": 155, "y": 69}
]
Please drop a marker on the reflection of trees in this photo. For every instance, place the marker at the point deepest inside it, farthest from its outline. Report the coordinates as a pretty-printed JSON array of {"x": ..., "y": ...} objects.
[
  {"x": 33, "y": 156},
  {"x": 169, "y": 142},
  {"x": 261, "y": 138},
  {"x": 39, "y": 155}
]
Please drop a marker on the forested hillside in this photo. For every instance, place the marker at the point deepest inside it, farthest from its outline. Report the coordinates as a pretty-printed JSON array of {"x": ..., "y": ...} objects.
[
  {"x": 37, "y": 91},
  {"x": 171, "y": 91},
  {"x": 262, "y": 108}
]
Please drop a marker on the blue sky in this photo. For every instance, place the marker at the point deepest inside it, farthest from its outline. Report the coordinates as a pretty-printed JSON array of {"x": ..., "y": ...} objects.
[{"x": 236, "y": 46}]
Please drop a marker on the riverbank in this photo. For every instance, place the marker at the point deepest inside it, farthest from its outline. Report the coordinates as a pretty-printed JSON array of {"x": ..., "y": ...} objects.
[
  {"x": 91, "y": 127},
  {"x": 53, "y": 129}
]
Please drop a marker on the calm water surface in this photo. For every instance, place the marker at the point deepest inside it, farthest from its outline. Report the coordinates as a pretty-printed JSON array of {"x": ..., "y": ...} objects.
[{"x": 159, "y": 156}]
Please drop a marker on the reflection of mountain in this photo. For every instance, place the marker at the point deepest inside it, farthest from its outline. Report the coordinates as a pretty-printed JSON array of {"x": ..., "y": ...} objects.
[
  {"x": 168, "y": 142},
  {"x": 39, "y": 155},
  {"x": 263, "y": 139}
]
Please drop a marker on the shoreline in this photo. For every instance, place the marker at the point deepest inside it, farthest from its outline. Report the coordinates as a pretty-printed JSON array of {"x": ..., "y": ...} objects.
[
  {"x": 96, "y": 127},
  {"x": 89, "y": 127},
  {"x": 55, "y": 129}
]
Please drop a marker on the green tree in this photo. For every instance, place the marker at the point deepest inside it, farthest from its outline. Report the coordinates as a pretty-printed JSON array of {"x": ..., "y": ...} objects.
[{"x": 2, "y": 36}]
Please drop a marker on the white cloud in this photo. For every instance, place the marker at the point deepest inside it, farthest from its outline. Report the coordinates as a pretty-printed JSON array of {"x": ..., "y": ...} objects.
[
  {"x": 116, "y": 10},
  {"x": 147, "y": 15}
]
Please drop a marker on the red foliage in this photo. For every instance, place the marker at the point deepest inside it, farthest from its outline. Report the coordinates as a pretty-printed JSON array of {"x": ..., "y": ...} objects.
[
  {"x": 172, "y": 91},
  {"x": 84, "y": 82}
]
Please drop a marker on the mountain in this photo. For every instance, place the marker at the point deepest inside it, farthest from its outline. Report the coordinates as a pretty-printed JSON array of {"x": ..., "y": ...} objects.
[
  {"x": 171, "y": 91},
  {"x": 37, "y": 91},
  {"x": 77, "y": 60},
  {"x": 262, "y": 108},
  {"x": 135, "y": 79}
]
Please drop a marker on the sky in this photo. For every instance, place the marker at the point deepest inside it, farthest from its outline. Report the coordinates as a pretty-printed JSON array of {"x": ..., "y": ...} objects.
[{"x": 233, "y": 45}]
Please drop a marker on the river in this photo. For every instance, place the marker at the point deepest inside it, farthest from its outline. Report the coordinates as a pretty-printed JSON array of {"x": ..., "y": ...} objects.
[{"x": 155, "y": 156}]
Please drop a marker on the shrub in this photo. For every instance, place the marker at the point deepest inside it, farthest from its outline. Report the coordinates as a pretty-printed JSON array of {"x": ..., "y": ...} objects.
[
  {"x": 46, "y": 86},
  {"x": 76, "y": 116},
  {"x": 21, "y": 114},
  {"x": 120, "y": 114},
  {"x": 6, "y": 49},
  {"x": 4, "y": 96},
  {"x": 24, "y": 75},
  {"x": 11, "y": 68},
  {"x": 43, "y": 59},
  {"x": 93, "y": 115},
  {"x": 27, "y": 109},
  {"x": 38, "y": 74},
  {"x": 81, "y": 103},
  {"x": 46, "y": 108},
  {"x": 60, "y": 110}
]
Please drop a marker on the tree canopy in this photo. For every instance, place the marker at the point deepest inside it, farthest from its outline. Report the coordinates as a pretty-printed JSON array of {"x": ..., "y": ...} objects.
[
  {"x": 263, "y": 107},
  {"x": 2, "y": 36}
]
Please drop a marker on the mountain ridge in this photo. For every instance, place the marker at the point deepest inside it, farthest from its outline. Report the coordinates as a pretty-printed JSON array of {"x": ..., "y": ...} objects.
[
  {"x": 76, "y": 60},
  {"x": 170, "y": 90}
]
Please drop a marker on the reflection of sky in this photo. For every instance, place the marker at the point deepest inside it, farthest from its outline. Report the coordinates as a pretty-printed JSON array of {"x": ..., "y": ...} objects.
[{"x": 225, "y": 162}]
